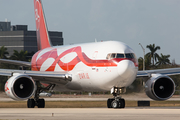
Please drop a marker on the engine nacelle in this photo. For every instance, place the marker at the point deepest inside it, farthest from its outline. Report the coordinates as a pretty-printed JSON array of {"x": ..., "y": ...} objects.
[
  {"x": 160, "y": 87},
  {"x": 20, "y": 87}
]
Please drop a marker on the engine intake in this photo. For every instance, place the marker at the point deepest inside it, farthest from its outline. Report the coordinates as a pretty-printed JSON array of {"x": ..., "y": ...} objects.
[
  {"x": 20, "y": 87},
  {"x": 160, "y": 87}
]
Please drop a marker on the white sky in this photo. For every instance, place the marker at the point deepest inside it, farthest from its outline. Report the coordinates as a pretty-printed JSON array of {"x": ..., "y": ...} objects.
[{"x": 128, "y": 21}]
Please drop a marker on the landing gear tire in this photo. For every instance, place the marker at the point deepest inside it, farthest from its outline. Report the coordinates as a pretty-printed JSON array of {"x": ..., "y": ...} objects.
[
  {"x": 115, "y": 103},
  {"x": 41, "y": 103},
  {"x": 122, "y": 103},
  {"x": 30, "y": 103},
  {"x": 109, "y": 101}
]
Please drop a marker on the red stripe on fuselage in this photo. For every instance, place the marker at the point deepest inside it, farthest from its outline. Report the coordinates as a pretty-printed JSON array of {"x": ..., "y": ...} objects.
[{"x": 81, "y": 57}]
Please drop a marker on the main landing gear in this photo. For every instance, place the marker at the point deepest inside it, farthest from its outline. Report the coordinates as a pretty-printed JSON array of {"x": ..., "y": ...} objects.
[
  {"x": 40, "y": 103},
  {"x": 116, "y": 102}
]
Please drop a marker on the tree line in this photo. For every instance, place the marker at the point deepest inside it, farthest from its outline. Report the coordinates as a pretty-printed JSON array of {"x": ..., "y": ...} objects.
[
  {"x": 22, "y": 55},
  {"x": 4, "y": 54},
  {"x": 155, "y": 61}
]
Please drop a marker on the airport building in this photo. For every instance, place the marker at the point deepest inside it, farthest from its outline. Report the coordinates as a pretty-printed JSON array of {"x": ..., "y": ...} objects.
[{"x": 17, "y": 37}]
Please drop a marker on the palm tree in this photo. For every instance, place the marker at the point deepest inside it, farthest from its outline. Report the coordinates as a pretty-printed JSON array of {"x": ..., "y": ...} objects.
[
  {"x": 140, "y": 63},
  {"x": 163, "y": 60},
  {"x": 3, "y": 52},
  {"x": 147, "y": 62},
  {"x": 22, "y": 55},
  {"x": 153, "y": 55}
]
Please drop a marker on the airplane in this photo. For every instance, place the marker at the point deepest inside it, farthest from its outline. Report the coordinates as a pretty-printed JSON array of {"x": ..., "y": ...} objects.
[{"x": 99, "y": 66}]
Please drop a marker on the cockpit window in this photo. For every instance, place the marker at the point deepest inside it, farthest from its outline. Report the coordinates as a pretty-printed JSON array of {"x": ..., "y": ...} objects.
[
  {"x": 129, "y": 55},
  {"x": 120, "y": 55},
  {"x": 113, "y": 55},
  {"x": 108, "y": 56}
]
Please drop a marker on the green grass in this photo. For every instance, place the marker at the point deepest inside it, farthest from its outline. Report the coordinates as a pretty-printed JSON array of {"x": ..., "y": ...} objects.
[{"x": 85, "y": 104}]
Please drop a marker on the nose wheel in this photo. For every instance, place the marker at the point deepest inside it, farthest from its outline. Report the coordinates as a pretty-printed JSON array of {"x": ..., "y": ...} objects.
[{"x": 116, "y": 102}]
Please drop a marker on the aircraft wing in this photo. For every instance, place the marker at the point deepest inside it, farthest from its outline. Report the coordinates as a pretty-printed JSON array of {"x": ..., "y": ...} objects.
[
  {"x": 16, "y": 62},
  {"x": 168, "y": 72},
  {"x": 47, "y": 77}
]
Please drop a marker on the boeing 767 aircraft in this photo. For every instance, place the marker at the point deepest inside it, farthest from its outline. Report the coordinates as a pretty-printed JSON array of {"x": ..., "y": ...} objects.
[{"x": 99, "y": 66}]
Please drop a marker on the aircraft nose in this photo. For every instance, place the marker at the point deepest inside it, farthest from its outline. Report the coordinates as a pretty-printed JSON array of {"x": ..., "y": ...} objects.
[{"x": 126, "y": 69}]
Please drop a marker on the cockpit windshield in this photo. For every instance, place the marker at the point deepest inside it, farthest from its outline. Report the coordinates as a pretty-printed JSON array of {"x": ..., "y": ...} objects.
[
  {"x": 129, "y": 55},
  {"x": 120, "y": 55}
]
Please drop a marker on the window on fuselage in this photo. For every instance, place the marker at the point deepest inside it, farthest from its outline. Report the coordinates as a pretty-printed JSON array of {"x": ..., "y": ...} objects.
[
  {"x": 113, "y": 55},
  {"x": 108, "y": 56},
  {"x": 120, "y": 55},
  {"x": 129, "y": 55}
]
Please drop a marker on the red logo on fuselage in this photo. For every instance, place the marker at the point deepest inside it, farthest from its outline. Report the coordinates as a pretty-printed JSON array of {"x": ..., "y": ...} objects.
[{"x": 81, "y": 57}]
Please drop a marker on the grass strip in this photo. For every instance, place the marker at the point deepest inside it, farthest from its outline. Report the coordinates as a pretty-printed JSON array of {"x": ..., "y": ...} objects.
[{"x": 85, "y": 104}]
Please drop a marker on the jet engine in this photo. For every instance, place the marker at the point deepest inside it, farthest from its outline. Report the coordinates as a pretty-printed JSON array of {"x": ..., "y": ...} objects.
[
  {"x": 160, "y": 87},
  {"x": 20, "y": 87}
]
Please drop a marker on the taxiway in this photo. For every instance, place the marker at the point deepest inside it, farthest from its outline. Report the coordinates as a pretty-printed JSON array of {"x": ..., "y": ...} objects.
[{"x": 137, "y": 113}]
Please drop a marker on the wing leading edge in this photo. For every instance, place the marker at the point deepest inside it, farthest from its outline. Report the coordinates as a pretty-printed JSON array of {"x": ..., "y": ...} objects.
[
  {"x": 16, "y": 62},
  {"x": 168, "y": 72},
  {"x": 46, "y": 77}
]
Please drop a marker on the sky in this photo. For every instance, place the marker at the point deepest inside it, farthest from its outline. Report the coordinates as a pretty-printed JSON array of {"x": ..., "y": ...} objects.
[{"x": 129, "y": 21}]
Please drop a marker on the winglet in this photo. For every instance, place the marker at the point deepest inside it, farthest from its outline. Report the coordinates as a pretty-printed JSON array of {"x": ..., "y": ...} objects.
[{"x": 43, "y": 40}]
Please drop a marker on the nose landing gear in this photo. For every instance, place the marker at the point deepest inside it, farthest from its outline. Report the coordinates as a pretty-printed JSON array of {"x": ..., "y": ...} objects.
[{"x": 116, "y": 102}]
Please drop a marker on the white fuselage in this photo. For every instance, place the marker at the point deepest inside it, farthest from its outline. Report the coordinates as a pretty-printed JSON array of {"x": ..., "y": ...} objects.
[{"x": 94, "y": 66}]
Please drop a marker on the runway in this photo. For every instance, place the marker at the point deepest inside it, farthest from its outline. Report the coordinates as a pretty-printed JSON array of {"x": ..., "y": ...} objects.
[{"x": 165, "y": 113}]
